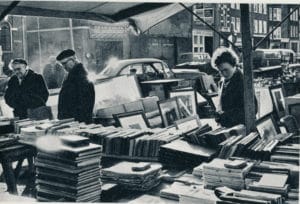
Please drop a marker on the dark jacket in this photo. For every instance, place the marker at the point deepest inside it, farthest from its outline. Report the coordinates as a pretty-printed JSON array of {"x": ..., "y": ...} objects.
[
  {"x": 232, "y": 101},
  {"x": 31, "y": 93},
  {"x": 77, "y": 96}
]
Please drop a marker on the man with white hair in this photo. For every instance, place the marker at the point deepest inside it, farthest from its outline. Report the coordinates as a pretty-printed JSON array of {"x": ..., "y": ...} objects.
[{"x": 26, "y": 89}]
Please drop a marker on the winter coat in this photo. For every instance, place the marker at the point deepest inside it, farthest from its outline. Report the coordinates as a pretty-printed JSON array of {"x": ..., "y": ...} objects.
[
  {"x": 232, "y": 101},
  {"x": 31, "y": 93},
  {"x": 77, "y": 96}
]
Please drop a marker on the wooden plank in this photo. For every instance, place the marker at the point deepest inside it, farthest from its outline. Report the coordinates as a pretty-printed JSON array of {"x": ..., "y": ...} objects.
[{"x": 248, "y": 69}]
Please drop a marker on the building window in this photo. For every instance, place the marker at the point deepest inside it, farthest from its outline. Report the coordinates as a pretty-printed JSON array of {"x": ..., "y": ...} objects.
[
  {"x": 196, "y": 49},
  {"x": 265, "y": 27},
  {"x": 277, "y": 33},
  {"x": 204, "y": 12},
  {"x": 270, "y": 14},
  {"x": 277, "y": 14},
  {"x": 255, "y": 26},
  {"x": 260, "y": 26},
  {"x": 195, "y": 39},
  {"x": 265, "y": 8},
  {"x": 233, "y": 23},
  {"x": 294, "y": 16},
  {"x": 238, "y": 25}
]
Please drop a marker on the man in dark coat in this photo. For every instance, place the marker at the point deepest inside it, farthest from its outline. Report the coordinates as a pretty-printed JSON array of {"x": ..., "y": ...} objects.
[
  {"x": 77, "y": 95},
  {"x": 26, "y": 89}
]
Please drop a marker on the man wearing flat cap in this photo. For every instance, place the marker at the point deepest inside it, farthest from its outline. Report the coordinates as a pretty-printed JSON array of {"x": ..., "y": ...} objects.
[
  {"x": 25, "y": 90},
  {"x": 77, "y": 95}
]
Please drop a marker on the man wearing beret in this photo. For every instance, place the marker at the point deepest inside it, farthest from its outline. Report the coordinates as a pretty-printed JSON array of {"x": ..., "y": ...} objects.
[
  {"x": 25, "y": 90},
  {"x": 77, "y": 95}
]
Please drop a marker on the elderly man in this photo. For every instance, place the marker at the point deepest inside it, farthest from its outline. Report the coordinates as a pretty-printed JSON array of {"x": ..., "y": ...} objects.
[
  {"x": 77, "y": 95},
  {"x": 26, "y": 89}
]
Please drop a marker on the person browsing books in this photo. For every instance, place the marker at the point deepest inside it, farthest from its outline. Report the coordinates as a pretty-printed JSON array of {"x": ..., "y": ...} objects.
[
  {"x": 77, "y": 95},
  {"x": 231, "y": 111}
]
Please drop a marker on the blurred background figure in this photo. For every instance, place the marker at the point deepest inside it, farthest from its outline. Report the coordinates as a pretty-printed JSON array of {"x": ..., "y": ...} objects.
[{"x": 53, "y": 73}]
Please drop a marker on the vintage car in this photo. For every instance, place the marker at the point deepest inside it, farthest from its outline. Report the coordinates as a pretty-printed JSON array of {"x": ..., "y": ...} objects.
[{"x": 143, "y": 68}]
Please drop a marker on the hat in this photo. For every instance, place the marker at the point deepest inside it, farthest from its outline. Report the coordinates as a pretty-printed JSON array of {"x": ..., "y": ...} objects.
[{"x": 64, "y": 54}]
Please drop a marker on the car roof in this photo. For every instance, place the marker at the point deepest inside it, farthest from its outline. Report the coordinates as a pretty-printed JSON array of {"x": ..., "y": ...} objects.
[{"x": 117, "y": 65}]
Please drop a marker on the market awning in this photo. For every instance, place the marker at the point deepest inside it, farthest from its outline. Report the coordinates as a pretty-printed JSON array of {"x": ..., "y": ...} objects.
[{"x": 140, "y": 14}]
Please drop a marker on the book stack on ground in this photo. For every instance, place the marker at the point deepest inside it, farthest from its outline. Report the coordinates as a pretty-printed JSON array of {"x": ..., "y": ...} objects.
[
  {"x": 141, "y": 176},
  {"x": 230, "y": 196},
  {"x": 215, "y": 137},
  {"x": 271, "y": 183},
  {"x": 287, "y": 154},
  {"x": 237, "y": 145},
  {"x": 71, "y": 174},
  {"x": 220, "y": 172},
  {"x": 181, "y": 154},
  {"x": 260, "y": 149}
]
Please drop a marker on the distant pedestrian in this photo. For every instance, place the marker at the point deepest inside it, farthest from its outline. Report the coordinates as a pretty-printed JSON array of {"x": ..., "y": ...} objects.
[
  {"x": 53, "y": 74},
  {"x": 26, "y": 89},
  {"x": 77, "y": 95}
]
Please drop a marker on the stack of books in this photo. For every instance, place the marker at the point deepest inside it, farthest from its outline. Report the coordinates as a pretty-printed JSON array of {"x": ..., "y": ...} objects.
[
  {"x": 213, "y": 138},
  {"x": 6, "y": 125},
  {"x": 237, "y": 145},
  {"x": 181, "y": 154},
  {"x": 220, "y": 172},
  {"x": 178, "y": 189},
  {"x": 289, "y": 153},
  {"x": 271, "y": 183},
  {"x": 71, "y": 174},
  {"x": 227, "y": 195},
  {"x": 7, "y": 140},
  {"x": 198, "y": 170},
  {"x": 141, "y": 176}
]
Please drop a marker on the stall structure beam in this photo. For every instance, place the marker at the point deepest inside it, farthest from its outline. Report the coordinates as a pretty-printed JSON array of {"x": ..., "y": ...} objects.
[{"x": 249, "y": 103}]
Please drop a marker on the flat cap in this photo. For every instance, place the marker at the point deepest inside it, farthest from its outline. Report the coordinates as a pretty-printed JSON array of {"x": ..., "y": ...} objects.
[
  {"x": 19, "y": 61},
  {"x": 64, "y": 54}
]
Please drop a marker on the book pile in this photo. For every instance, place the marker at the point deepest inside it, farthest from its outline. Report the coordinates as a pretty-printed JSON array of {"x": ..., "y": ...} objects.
[
  {"x": 200, "y": 195},
  {"x": 278, "y": 168},
  {"x": 6, "y": 125},
  {"x": 7, "y": 140},
  {"x": 215, "y": 137},
  {"x": 287, "y": 154},
  {"x": 181, "y": 154},
  {"x": 220, "y": 172},
  {"x": 236, "y": 145},
  {"x": 140, "y": 176},
  {"x": 198, "y": 170},
  {"x": 227, "y": 195},
  {"x": 149, "y": 145},
  {"x": 71, "y": 174},
  {"x": 271, "y": 183}
]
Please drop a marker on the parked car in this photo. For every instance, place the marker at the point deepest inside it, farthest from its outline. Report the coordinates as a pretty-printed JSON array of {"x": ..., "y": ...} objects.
[
  {"x": 144, "y": 68},
  {"x": 272, "y": 57},
  {"x": 201, "y": 57}
]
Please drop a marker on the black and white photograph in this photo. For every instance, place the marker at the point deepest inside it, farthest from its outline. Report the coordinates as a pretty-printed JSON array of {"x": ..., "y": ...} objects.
[
  {"x": 187, "y": 101},
  {"x": 169, "y": 110},
  {"x": 149, "y": 101}
]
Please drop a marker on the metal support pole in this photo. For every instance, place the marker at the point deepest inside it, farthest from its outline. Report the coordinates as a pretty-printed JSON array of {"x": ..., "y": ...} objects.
[
  {"x": 71, "y": 34},
  {"x": 249, "y": 104}
]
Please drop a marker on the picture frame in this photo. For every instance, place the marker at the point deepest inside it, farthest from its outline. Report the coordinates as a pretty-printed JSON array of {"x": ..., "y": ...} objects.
[
  {"x": 267, "y": 127},
  {"x": 132, "y": 120},
  {"x": 187, "y": 101},
  {"x": 277, "y": 96},
  {"x": 188, "y": 124},
  {"x": 169, "y": 111}
]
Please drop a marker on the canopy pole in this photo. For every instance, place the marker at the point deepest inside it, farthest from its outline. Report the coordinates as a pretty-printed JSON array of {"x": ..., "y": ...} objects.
[
  {"x": 249, "y": 104},
  {"x": 8, "y": 9}
]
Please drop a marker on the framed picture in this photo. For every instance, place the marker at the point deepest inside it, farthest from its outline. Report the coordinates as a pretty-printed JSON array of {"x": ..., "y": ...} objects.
[
  {"x": 188, "y": 124},
  {"x": 187, "y": 101},
  {"x": 294, "y": 110},
  {"x": 132, "y": 120},
  {"x": 267, "y": 127},
  {"x": 278, "y": 101},
  {"x": 169, "y": 111}
]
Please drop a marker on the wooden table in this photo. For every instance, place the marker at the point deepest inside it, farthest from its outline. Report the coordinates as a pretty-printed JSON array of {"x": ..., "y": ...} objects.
[{"x": 10, "y": 154}]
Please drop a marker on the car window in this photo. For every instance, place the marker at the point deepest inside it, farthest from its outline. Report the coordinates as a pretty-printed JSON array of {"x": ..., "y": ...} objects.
[{"x": 137, "y": 67}]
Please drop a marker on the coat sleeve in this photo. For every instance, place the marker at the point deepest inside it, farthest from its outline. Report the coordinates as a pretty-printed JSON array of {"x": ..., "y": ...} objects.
[
  {"x": 11, "y": 95},
  {"x": 38, "y": 95},
  {"x": 86, "y": 101}
]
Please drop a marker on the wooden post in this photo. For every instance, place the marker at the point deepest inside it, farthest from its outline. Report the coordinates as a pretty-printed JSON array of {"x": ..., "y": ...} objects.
[{"x": 248, "y": 72}]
